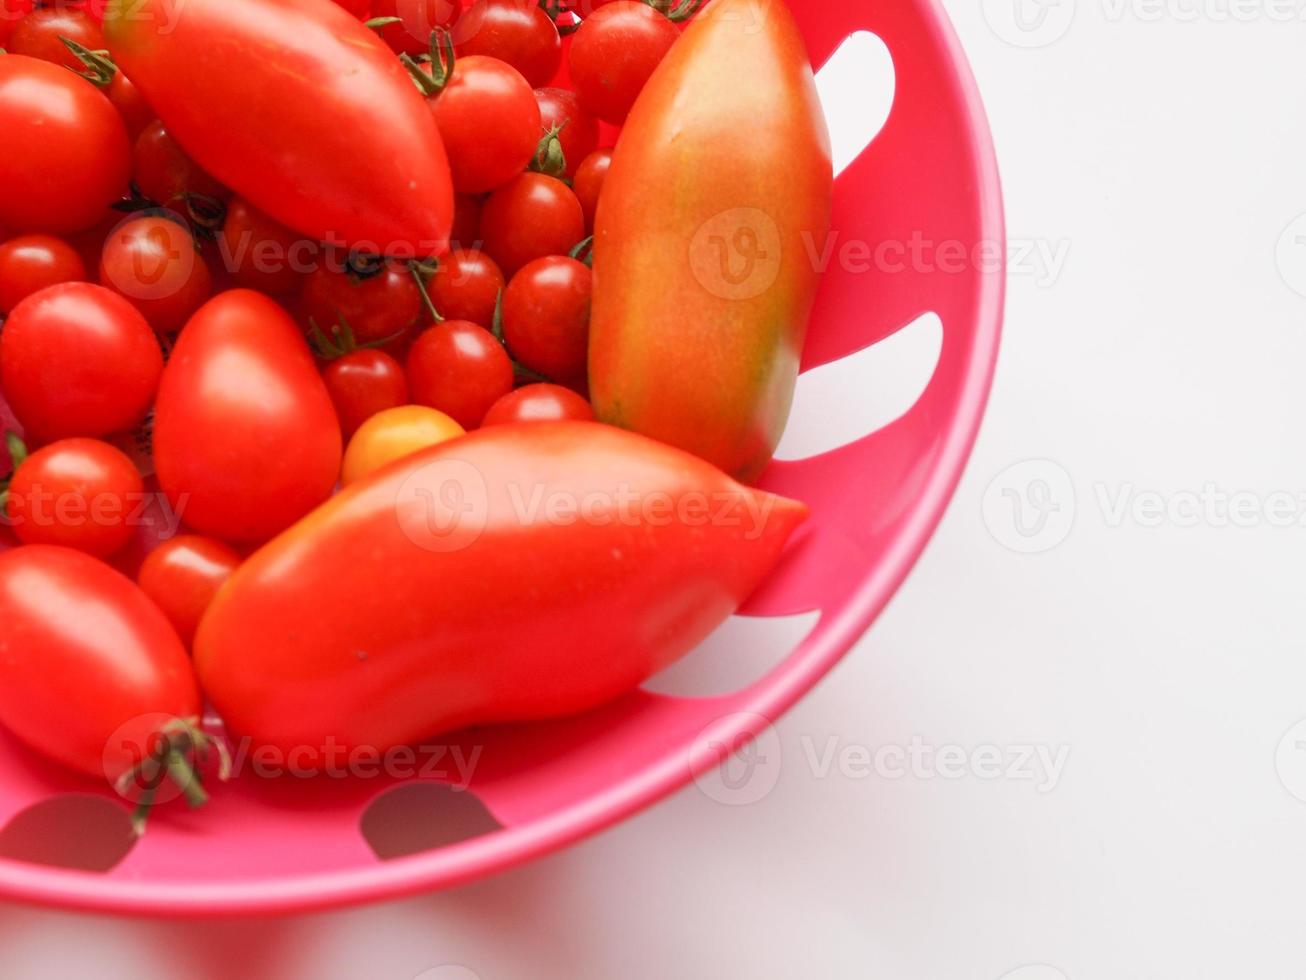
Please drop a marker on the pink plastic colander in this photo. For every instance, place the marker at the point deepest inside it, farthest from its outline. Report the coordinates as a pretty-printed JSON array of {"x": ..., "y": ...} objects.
[{"x": 289, "y": 845}]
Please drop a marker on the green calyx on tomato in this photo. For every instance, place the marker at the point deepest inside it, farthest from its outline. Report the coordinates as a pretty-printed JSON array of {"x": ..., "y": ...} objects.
[
  {"x": 431, "y": 82},
  {"x": 17, "y": 454},
  {"x": 550, "y": 159},
  {"x": 179, "y": 746},
  {"x": 422, "y": 273},
  {"x": 100, "y": 68},
  {"x": 341, "y": 340},
  {"x": 676, "y": 11}
]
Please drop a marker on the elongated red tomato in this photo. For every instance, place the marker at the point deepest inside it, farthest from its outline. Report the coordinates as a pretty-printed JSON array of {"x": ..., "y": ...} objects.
[
  {"x": 515, "y": 573},
  {"x": 274, "y": 100},
  {"x": 246, "y": 440}
]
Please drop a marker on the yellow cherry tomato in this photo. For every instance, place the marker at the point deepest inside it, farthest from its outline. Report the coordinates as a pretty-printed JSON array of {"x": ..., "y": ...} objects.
[{"x": 394, "y": 434}]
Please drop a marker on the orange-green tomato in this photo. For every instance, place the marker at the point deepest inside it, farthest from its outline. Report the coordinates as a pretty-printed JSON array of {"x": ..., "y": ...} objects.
[{"x": 394, "y": 434}]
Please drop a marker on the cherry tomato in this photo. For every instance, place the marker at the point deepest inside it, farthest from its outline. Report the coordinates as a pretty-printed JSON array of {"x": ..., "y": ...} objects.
[
  {"x": 64, "y": 153},
  {"x": 130, "y": 103},
  {"x": 578, "y": 131},
  {"x": 615, "y": 52},
  {"x": 588, "y": 183},
  {"x": 418, "y": 18},
  {"x": 31, "y": 262},
  {"x": 37, "y": 35},
  {"x": 78, "y": 360},
  {"x": 79, "y": 493},
  {"x": 11, "y": 12},
  {"x": 377, "y": 298},
  {"x": 459, "y": 368},
  {"x": 182, "y": 575},
  {"x": 546, "y": 317},
  {"x": 466, "y": 286},
  {"x": 164, "y": 173},
  {"x": 538, "y": 403},
  {"x": 466, "y": 222},
  {"x": 155, "y": 264},
  {"x": 515, "y": 31},
  {"x": 363, "y": 383},
  {"x": 394, "y": 434},
  {"x": 260, "y": 253},
  {"x": 530, "y": 218}
]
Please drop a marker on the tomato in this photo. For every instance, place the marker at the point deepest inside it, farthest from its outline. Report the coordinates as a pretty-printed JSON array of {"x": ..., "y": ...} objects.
[
  {"x": 263, "y": 254},
  {"x": 418, "y": 19},
  {"x": 155, "y": 264},
  {"x": 379, "y": 299},
  {"x": 538, "y": 403},
  {"x": 466, "y": 222},
  {"x": 517, "y": 573},
  {"x": 466, "y": 286},
  {"x": 246, "y": 440},
  {"x": 515, "y": 31},
  {"x": 37, "y": 35},
  {"x": 588, "y": 183},
  {"x": 32, "y": 262},
  {"x": 614, "y": 54},
  {"x": 80, "y": 493},
  {"x": 697, "y": 331},
  {"x": 131, "y": 105},
  {"x": 11, "y": 12},
  {"x": 578, "y": 131},
  {"x": 394, "y": 434},
  {"x": 363, "y": 383},
  {"x": 64, "y": 154},
  {"x": 182, "y": 575},
  {"x": 300, "y": 109},
  {"x": 530, "y": 218},
  {"x": 359, "y": 9},
  {"x": 459, "y": 368},
  {"x": 78, "y": 360},
  {"x": 164, "y": 173},
  {"x": 546, "y": 318}
]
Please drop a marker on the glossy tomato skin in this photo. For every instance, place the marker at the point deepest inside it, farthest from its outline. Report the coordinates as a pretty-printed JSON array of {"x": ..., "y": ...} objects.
[
  {"x": 155, "y": 265},
  {"x": 459, "y": 368},
  {"x": 546, "y": 318},
  {"x": 466, "y": 286},
  {"x": 588, "y": 183},
  {"x": 480, "y": 608},
  {"x": 418, "y": 18},
  {"x": 614, "y": 54},
  {"x": 91, "y": 668},
  {"x": 288, "y": 141},
  {"x": 30, "y": 263},
  {"x": 579, "y": 131},
  {"x": 52, "y": 125},
  {"x": 166, "y": 175},
  {"x": 392, "y": 435},
  {"x": 384, "y": 304},
  {"x": 79, "y": 493},
  {"x": 363, "y": 383},
  {"x": 182, "y": 575},
  {"x": 37, "y": 35},
  {"x": 529, "y": 218},
  {"x": 78, "y": 360},
  {"x": 539, "y": 403},
  {"x": 246, "y": 440},
  {"x": 263, "y": 254},
  {"x": 515, "y": 31}
]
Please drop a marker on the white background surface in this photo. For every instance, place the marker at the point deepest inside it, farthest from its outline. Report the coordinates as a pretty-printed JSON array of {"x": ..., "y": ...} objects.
[{"x": 1163, "y": 364}]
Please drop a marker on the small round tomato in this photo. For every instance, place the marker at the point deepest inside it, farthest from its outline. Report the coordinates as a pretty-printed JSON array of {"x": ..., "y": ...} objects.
[
  {"x": 182, "y": 575},
  {"x": 261, "y": 253},
  {"x": 378, "y": 298},
  {"x": 130, "y": 103},
  {"x": 79, "y": 493},
  {"x": 11, "y": 12},
  {"x": 29, "y": 263},
  {"x": 613, "y": 54},
  {"x": 466, "y": 286},
  {"x": 466, "y": 231},
  {"x": 529, "y": 218},
  {"x": 394, "y": 434},
  {"x": 578, "y": 131},
  {"x": 546, "y": 317},
  {"x": 37, "y": 35},
  {"x": 154, "y": 263},
  {"x": 459, "y": 368},
  {"x": 417, "y": 20},
  {"x": 78, "y": 360},
  {"x": 588, "y": 183},
  {"x": 164, "y": 173},
  {"x": 515, "y": 31},
  {"x": 539, "y": 403},
  {"x": 363, "y": 383}
]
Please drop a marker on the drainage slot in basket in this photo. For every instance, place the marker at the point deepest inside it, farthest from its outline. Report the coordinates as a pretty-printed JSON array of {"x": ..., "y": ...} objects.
[
  {"x": 77, "y": 831},
  {"x": 418, "y": 817}
]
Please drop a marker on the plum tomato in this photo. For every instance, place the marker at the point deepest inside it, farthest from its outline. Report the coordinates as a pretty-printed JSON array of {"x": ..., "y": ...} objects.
[
  {"x": 29, "y": 263},
  {"x": 417, "y": 20},
  {"x": 516, "y": 31},
  {"x": 546, "y": 317},
  {"x": 466, "y": 286},
  {"x": 377, "y": 298},
  {"x": 154, "y": 263},
  {"x": 79, "y": 493},
  {"x": 164, "y": 173},
  {"x": 529, "y": 218},
  {"x": 615, "y": 52},
  {"x": 588, "y": 183},
  {"x": 394, "y": 434},
  {"x": 260, "y": 253},
  {"x": 578, "y": 131},
  {"x": 182, "y": 575},
  {"x": 538, "y": 403},
  {"x": 363, "y": 383},
  {"x": 460, "y": 369},
  {"x": 37, "y": 35},
  {"x": 78, "y": 360}
]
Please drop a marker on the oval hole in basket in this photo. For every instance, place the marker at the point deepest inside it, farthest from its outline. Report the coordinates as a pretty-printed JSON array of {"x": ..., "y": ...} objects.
[
  {"x": 422, "y": 816},
  {"x": 840, "y": 402},
  {"x": 77, "y": 831},
  {"x": 744, "y": 649},
  {"x": 856, "y": 87}
]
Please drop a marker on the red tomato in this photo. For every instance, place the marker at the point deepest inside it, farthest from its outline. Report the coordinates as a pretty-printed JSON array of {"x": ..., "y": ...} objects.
[
  {"x": 246, "y": 440},
  {"x": 530, "y": 218},
  {"x": 466, "y": 222},
  {"x": 418, "y": 19},
  {"x": 182, "y": 575},
  {"x": 377, "y": 298},
  {"x": 164, "y": 173},
  {"x": 11, "y": 12},
  {"x": 459, "y": 368},
  {"x": 515, "y": 31},
  {"x": 263, "y": 254},
  {"x": 78, "y": 360},
  {"x": 578, "y": 132},
  {"x": 80, "y": 493},
  {"x": 363, "y": 383},
  {"x": 615, "y": 52},
  {"x": 153, "y": 262},
  {"x": 37, "y": 35},
  {"x": 466, "y": 286},
  {"x": 539, "y": 403},
  {"x": 130, "y": 103},
  {"x": 32, "y": 262},
  {"x": 588, "y": 183},
  {"x": 546, "y": 317},
  {"x": 360, "y": 9},
  {"x": 64, "y": 154}
]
